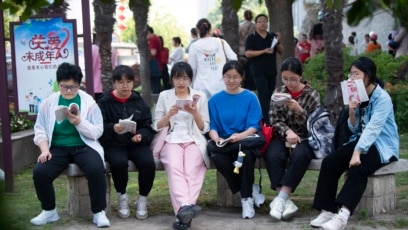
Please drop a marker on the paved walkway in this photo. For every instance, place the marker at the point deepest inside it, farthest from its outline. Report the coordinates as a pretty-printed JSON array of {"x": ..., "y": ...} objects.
[{"x": 223, "y": 219}]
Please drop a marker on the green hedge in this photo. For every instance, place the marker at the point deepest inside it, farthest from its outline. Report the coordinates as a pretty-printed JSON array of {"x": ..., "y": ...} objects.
[{"x": 387, "y": 69}]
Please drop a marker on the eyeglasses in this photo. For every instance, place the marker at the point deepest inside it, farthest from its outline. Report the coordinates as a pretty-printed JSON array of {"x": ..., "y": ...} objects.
[
  {"x": 353, "y": 76},
  {"x": 234, "y": 78},
  {"x": 69, "y": 87},
  {"x": 284, "y": 80},
  {"x": 264, "y": 22},
  {"x": 182, "y": 79}
]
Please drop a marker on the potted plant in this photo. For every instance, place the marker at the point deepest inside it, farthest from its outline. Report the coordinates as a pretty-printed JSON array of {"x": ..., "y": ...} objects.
[{"x": 24, "y": 152}]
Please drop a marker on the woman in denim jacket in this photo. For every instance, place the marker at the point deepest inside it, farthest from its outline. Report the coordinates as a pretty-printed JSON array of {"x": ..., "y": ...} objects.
[{"x": 374, "y": 143}]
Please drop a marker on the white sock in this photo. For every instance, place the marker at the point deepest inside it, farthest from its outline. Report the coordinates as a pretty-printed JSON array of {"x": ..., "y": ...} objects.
[
  {"x": 344, "y": 213},
  {"x": 283, "y": 195},
  {"x": 142, "y": 197}
]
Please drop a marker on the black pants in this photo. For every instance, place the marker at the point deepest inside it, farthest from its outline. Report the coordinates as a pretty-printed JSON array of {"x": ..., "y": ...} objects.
[
  {"x": 265, "y": 85},
  {"x": 165, "y": 77},
  {"x": 87, "y": 159},
  {"x": 284, "y": 167},
  {"x": 155, "y": 84},
  {"x": 333, "y": 166},
  {"x": 237, "y": 182},
  {"x": 141, "y": 155}
]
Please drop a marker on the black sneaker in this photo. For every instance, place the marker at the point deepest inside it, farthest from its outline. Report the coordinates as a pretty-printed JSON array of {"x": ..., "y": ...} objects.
[
  {"x": 196, "y": 210},
  {"x": 185, "y": 214},
  {"x": 177, "y": 225}
]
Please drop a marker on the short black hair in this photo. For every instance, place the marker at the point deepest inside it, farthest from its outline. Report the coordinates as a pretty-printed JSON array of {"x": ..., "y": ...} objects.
[
  {"x": 67, "y": 71},
  {"x": 193, "y": 31},
  {"x": 181, "y": 68},
  {"x": 123, "y": 71},
  {"x": 150, "y": 29}
]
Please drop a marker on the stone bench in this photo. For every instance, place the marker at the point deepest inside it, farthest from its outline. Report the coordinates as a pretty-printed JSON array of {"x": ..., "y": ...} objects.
[
  {"x": 380, "y": 194},
  {"x": 79, "y": 204}
]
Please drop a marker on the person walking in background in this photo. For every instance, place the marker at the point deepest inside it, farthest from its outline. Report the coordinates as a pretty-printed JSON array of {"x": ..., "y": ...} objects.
[
  {"x": 363, "y": 45},
  {"x": 177, "y": 54},
  {"x": 289, "y": 154},
  {"x": 155, "y": 60},
  {"x": 402, "y": 38},
  {"x": 235, "y": 112},
  {"x": 165, "y": 77},
  {"x": 96, "y": 67},
  {"x": 194, "y": 38},
  {"x": 184, "y": 154},
  {"x": 373, "y": 144},
  {"x": 352, "y": 46},
  {"x": 120, "y": 146},
  {"x": 316, "y": 35},
  {"x": 246, "y": 28},
  {"x": 207, "y": 57},
  {"x": 72, "y": 139},
  {"x": 373, "y": 45},
  {"x": 262, "y": 58},
  {"x": 355, "y": 39},
  {"x": 304, "y": 49}
]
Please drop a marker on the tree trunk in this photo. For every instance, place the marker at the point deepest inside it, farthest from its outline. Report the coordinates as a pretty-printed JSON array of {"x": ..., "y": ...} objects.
[
  {"x": 140, "y": 12},
  {"x": 230, "y": 25},
  {"x": 333, "y": 37},
  {"x": 281, "y": 20},
  {"x": 104, "y": 22}
]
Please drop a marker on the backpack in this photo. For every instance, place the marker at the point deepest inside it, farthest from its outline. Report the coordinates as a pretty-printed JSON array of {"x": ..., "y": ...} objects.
[
  {"x": 342, "y": 133},
  {"x": 320, "y": 132}
]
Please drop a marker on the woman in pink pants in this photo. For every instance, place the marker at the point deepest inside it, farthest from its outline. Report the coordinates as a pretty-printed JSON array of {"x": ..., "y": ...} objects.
[{"x": 184, "y": 154}]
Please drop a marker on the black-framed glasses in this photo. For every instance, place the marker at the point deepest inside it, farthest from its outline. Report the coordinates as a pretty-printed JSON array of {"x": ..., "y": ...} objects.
[{"x": 69, "y": 87}]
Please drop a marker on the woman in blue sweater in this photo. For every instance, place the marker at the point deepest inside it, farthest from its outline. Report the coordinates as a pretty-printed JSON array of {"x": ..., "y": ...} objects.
[{"x": 235, "y": 112}]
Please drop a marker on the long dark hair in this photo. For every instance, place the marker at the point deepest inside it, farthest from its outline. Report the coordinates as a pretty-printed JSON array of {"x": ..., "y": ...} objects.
[
  {"x": 292, "y": 64},
  {"x": 204, "y": 26},
  {"x": 368, "y": 67}
]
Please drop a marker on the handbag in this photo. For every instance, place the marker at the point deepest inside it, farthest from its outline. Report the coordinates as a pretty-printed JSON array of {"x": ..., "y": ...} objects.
[
  {"x": 267, "y": 131},
  {"x": 158, "y": 142},
  {"x": 251, "y": 142}
]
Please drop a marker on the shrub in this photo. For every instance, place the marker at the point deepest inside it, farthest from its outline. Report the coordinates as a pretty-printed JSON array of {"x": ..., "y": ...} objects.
[{"x": 19, "y": 123}]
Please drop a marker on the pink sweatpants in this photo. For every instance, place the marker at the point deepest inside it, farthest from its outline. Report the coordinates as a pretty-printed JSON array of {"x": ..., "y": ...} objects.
[{"x": 185, "y": 170}]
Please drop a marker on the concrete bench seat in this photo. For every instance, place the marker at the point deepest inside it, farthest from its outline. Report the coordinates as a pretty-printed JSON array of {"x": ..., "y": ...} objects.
[{"x": 380, "y": 194}]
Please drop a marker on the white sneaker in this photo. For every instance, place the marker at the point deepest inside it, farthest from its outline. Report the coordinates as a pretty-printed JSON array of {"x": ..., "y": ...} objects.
[
  {"x": 337, "y": 222},
  {"x": 101, "y": 220},
  {"x": 123, "y": 206},
  {"x": 277, "y": 207},
  {"x": 141, "y": 208},
  {"x": 45, "y": 217},
  {"x": 248, "y": 210},
  {"x": 290, "y": 209},
  {"x": 258, "y": 197},
  {"x": 323, "y": 217}
]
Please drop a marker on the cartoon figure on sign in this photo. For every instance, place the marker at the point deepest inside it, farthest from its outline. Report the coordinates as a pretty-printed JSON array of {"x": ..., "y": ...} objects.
[{"x": 30, "y": 98}]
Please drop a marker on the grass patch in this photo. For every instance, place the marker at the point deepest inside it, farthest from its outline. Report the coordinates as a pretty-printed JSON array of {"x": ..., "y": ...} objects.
[{"x": 22, "y": 205}]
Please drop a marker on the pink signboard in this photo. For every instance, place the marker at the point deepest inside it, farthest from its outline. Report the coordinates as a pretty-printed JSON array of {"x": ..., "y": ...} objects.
[{"x": 39, "y": 46}]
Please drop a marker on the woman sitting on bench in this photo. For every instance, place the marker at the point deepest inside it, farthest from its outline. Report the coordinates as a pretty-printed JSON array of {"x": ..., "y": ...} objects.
[{"x": 374, "y": 143}]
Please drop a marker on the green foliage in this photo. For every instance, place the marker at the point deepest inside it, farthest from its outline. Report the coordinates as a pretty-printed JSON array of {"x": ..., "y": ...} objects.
[
  {"x": 361, "y": 9},
  {"x": 399, "y": 95},
  {"x": 19, "y": 123},
  {"x": 363, "y": 214},
  {"x": 129, "y": 35}
]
